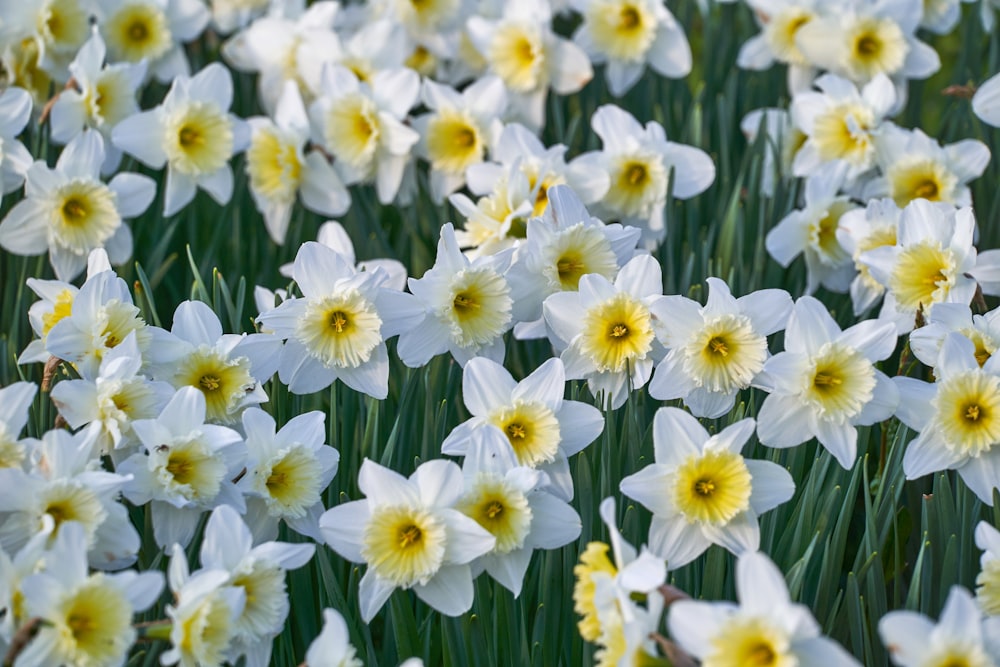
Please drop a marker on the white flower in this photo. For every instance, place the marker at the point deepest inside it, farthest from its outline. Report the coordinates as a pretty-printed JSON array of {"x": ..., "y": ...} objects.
[
  {"x": 69, "y": 211},
  {"x": 15, "y": 402},
  {"x": 152, "y": 30},
  {"x": 86, "y": 619},
  {"x": 287, "y": 472},
  {"x": 410, "y": 535},
  {"x": 958, "y": 637},
  {"x": 780, "y": 21},
  {"x": 638, "y": 161},
  {"x": 611, "y": 334},
  {"x": 102, "y": 96},
  {"x": 716, "y": 350},
  {"x": 825, "y": 383},
  {"x": 514, "y": 504},
  {"x": 260, "y": 572},
  {"x": 467, "y": 307},
  {"x": 15, "y": 160},
  {"x": 191, "y": 133},
  {"x": 332, "y": 647},
  {"x": 459, "y": 128},
  {"x": 861, "y": 230},
  {"x": 988, "y": 580},
  {"x": 983, "y": 330},
  {"x": 542, "y": 429},
  {"x": 337, "y": 330},
  {"x": 48, "y": 31},
  {"x": 958, "y": 418},
  {"x": 625, "y": 35},
  {"x": 702, "y": 491},
  {"x": 361, "y": 125},
  {"x": 766, "y": 626},
  {"x": 29, "y": 559},
  {"x": 185, "y": 467},
  {"x": 986, "y": 101}
]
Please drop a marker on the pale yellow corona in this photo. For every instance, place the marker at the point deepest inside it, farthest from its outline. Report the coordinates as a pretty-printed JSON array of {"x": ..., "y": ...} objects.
[
  {"x": 501, "y": 509},
  {"x": 478, "y": 308},
  {"x": 83, "y": 216},
  {"x": 843, "y": 132},
  {"x": 224, "y": 382},
  {"x": 621, "y": 29},
  {"x": 594, "y": 559},
  {"x": 404, "y": 545},
  {"x": 575, "y": 252},
  {"x": 290, "y": 482},
  {"x": 66, "y": 500},
  {"x": 875, "y": 45},
  {"x": 352, "y": 130},
  {"x": 532, "y": 429},
  {"x": 341, "y": 330},
  {"x": 881, "y": 236},
  {"x": 62, "y": 308},
  {"x": 823, "y": 233},
  {"x": 712, "y": 488},
  {"x": 517, "y": 54},
  {"x": 137, "y": 30},
  {"x": 266, "y": 599},
  {"x": 187, "y": 468},
  {"x": 637, "y": 182},
  {"x": 920, "y": 178},
  {"x": 988, "y": 588},
  {"x": 63, "y": 25},
  {"x": 94, "y": 624},
  {"x": 726, "y": 354},
  {"x": 967, "y": 408},
  {"x": 839, "y": 383},
  {"x": 780, "y": 32},
  {"x": 617, "y": 333},
  {"x": 206, "y": 632},
  {"x": 924, "y": 274},
  {"x": 750, "y": 642},
  {"x": 274, "y": 166},
  {"x": 199, "y": 138},
  {"x": 454, "y": 141}
]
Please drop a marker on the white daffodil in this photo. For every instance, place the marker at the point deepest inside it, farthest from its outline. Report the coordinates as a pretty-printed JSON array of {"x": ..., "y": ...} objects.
[
  {"x": 781, "y": 141},
  {"x": 29, "y": 559},
  {"x": 514, "y": 504},
  {"x": 49, "y": 32},
  {"x": 812, "y": 232},
  {"x": 602, "y": 581},
  {"x": 915, "y": 166},
  {"x": 940, "y": 16},
  {"x": 497, "y": 220},
  {"x": 529, "y": 58},
  {"x": 932, "y": 262},
  {"x": 66, "y": 483},
  {"x": 716, "y": 350},
  {"x": 959, "y": 636},
  {"x": 101, "y": 96},
  {"x": 231, "y": 15},
  {"x": 560, "y": 247},
  {"x": 766, "y": 626},
  {"x": 626, "y": 35},
  {"x": 627, "y": 628},
  {"x": 859, "y": 39},
  {"x": 86, "y": 619},
  {"x": 542, "y": 428},
  {"x": 15, "y": 160},
  {"x": 191, "y": 133},
  {"x": 286, "y": 474},
  {"x": 152, "y": 30},
  {"x": 458, "y": 129},
  {"x": 377, "y": 44},
  {"x": 841, "y": 123},
  {"x": 108, "y": 402},
  {"x": 639, "y": 162},
  {"x": 185, "y": 467},
  {"x": 338, "y": 329},
  {"x": 333, "y": 235},
  {"x": 702, "y": 491},
  {"x": 611, "y": 334},
  {"x": 260, "y": 572},
  {"x": 988, "y": 579},
  {"x": 101, "y": 316},
  {"x": 467, "y": 307},
  {"x": 861, "y": 230},
  {"x": 780, "y": 21},
  {"x": 986, "y": 101},
  {"x": 69, "y": 211},
  {"x": 203, "y": 615},
  {"x": 361, "y": 125},
  {"x": 410, "y": 535},
  {"x": 15, "y": 402},
  {"x": 332, "y": 647},
  {"x": 55, "y": 303},
  {"x": 825, "y": 383},
  {"x": 279, "y": 168},
  {"x": 430, "y": 24},
  {"x": 229, "y": 369},
  {"x": 958, "y": 418},
  {"x": 944, "y": 318}
]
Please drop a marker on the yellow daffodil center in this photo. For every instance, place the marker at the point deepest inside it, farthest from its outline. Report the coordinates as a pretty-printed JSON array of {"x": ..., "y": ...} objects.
[
  {"x": 478, "y": 307},
  {"x": 877, "y": 45},
  {"x": 501, "y": 509},
  {"x": 577, "y": 251},
  {"x": 422, "y": 61},
  {"x": 621, "y": 29},
  {"x": 11, "y": 451},
  {"x": 66, "y": 500},
  {"x": 920, "y": 178},
  {"x": 988, "y": 588},
  {"x": 112, "y": 98},
  {"x": 968, "y": 411},
  {"x": 454, "y": 141},
  {"x": 726, "y": 354},
  {"x": 518, "y": 57},
  {"x": 843, "y": 132},
  {"x": 984, "y": 345},
  {"x": 532, "y": 429},
  {"x": 352, "y": 131},
  {"x": 780, "y": 32},
  {"x": 637, "y": 181},
  {"x": 404, "y": 545},
  {"x": 62, "y": 307},
  {"x": 839, "y": 383},
  {"x": 224, "y": 382},
  {"x": 924, "y": 274},
  {"x": 341, "y": 330},
  {"x": 291, "y": 482},
  {"x": 119, "y": 320},
  {"x": 712, "y": 488},
  {"x": 94, "y": 623},
  {"x": 138, "y": 30},
  {"x": 208, "y": 631},
  {"x": 749, "y": 642},
  {"x": 84, "y": 216},
  {"x": 273, "y": 165},
  {"x": 63, "y": 24},
  {"x": 199, "y": 139},
  {"x": 266, "y": 599},
  {"x": 876, "y": 238},
  {"x": 593, "y": 559},
  {"x": 188, "y": 468},
  {"x": 823, "y": 233},
  {"x": 617, "y": 333},
  {"x": 26, "y": 72}
]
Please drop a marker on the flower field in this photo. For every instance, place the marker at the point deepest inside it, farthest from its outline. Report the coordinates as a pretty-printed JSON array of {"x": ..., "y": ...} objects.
[{"x": 461, "y": 332}]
